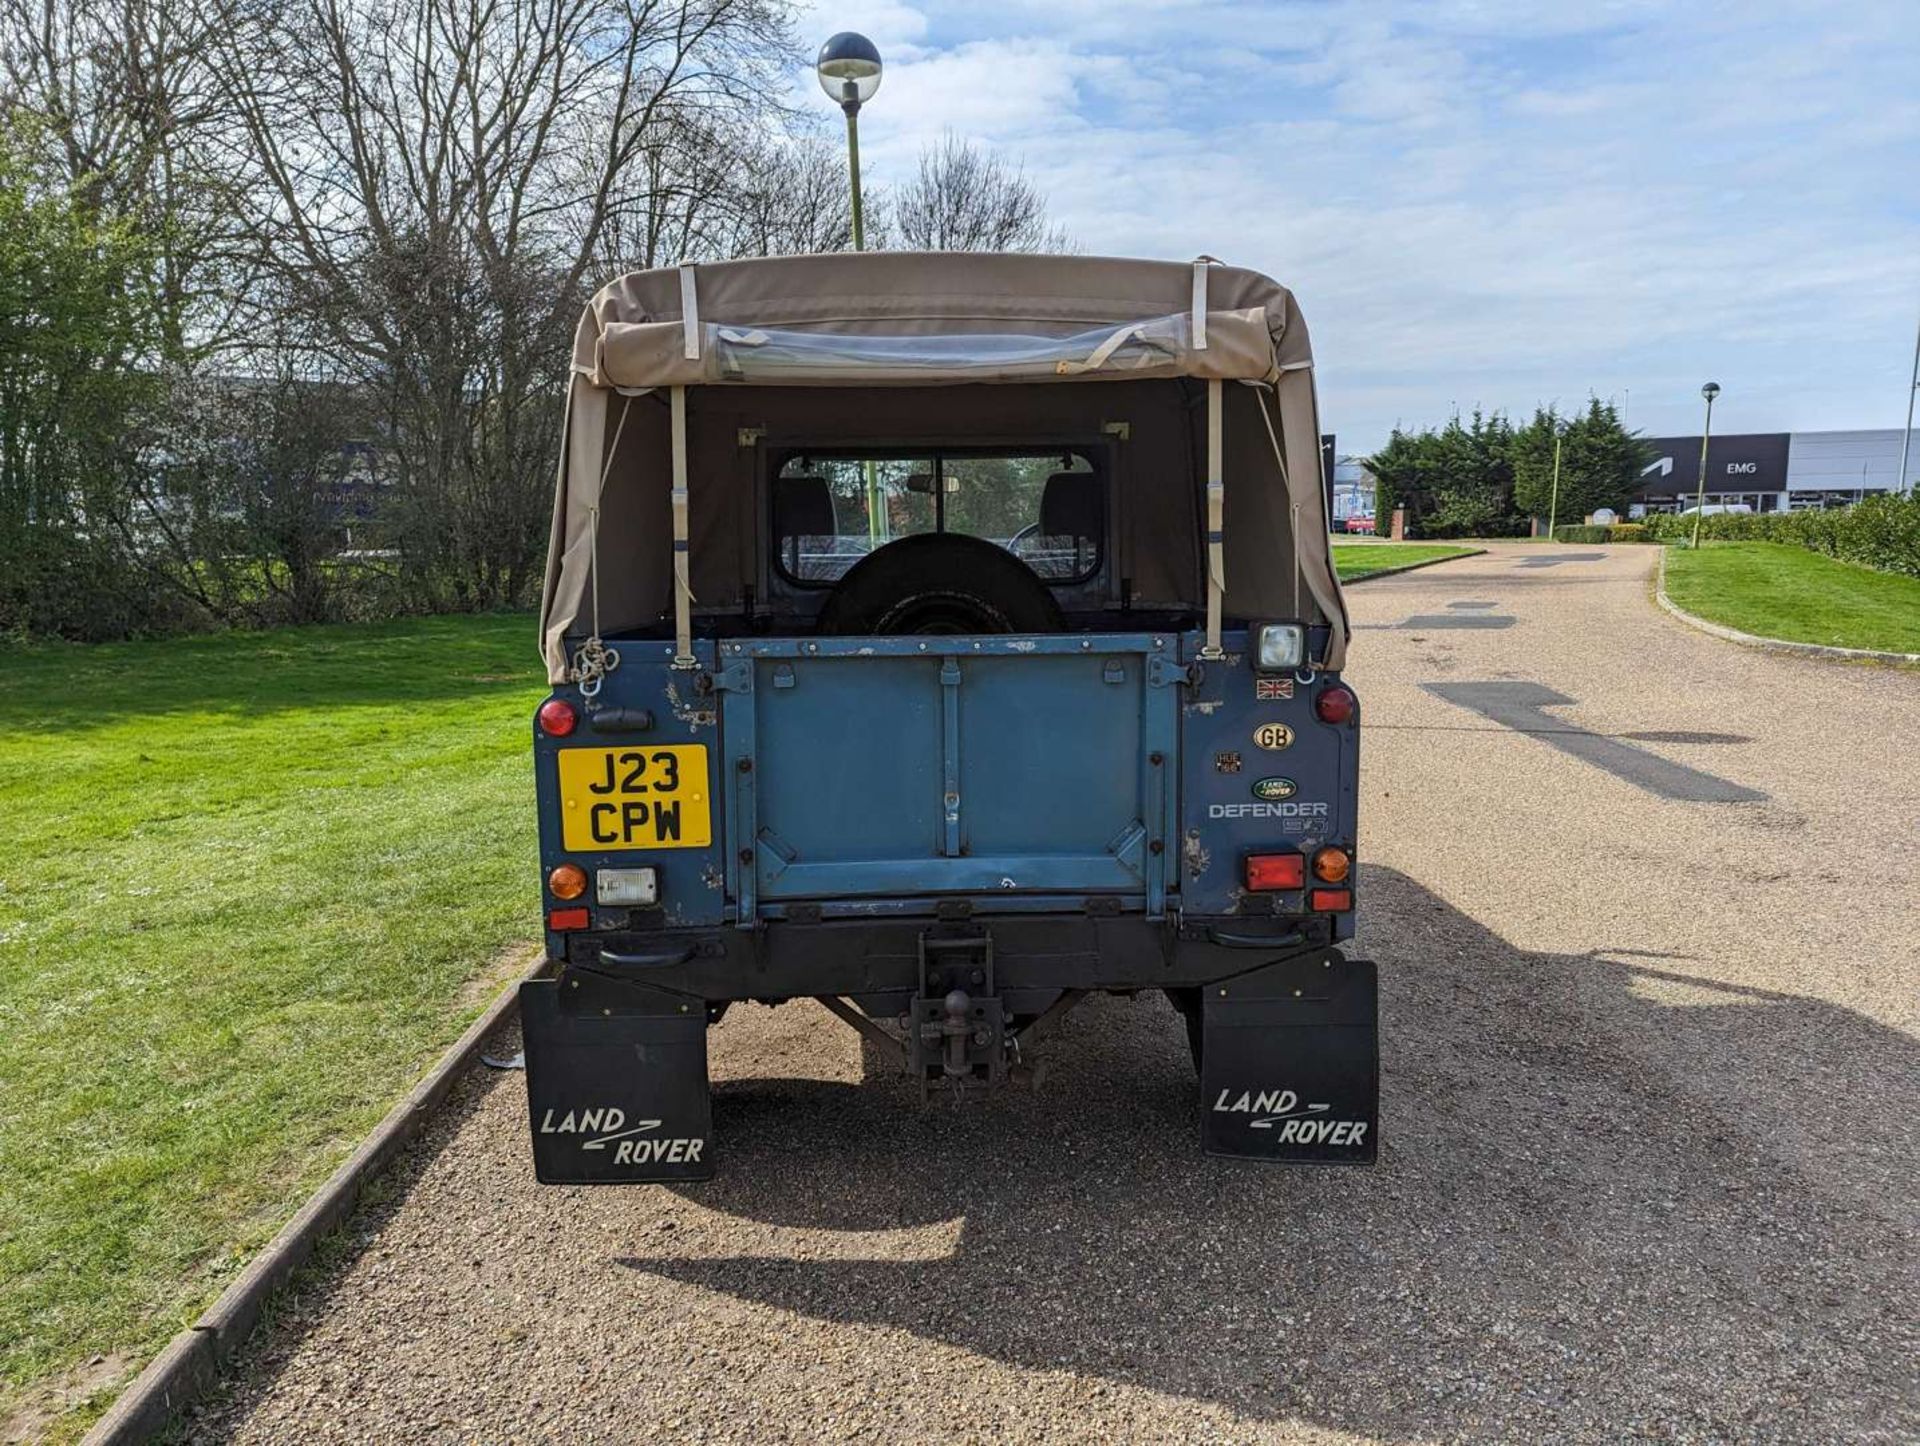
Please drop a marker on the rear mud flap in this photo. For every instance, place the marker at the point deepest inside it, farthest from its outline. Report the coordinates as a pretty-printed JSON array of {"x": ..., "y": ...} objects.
[
  {"x": 616, "y": 1081},
  {"x": 1290, "y": 1063}
]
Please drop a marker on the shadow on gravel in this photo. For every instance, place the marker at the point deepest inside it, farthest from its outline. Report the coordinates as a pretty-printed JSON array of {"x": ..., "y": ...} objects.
[
  {"x": 1561, "y": 559},
  {"x": 1615, "y": 1199}
]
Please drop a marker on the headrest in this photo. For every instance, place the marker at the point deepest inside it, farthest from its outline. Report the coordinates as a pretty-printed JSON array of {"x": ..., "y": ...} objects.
[
  {"x": 803, "y": 507},
  {"x": 1073, "y": 505}
]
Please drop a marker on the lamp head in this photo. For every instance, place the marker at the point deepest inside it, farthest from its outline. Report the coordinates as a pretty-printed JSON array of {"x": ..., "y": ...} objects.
[
  {"x": 1710, "y": 390},
  {"x": 849, "y": 69}
]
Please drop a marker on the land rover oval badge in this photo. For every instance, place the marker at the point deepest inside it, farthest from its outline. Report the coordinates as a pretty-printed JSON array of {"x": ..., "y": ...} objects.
[
  {"x": 1274, "y": 788},
  {"x": 1273, "y": 736}
]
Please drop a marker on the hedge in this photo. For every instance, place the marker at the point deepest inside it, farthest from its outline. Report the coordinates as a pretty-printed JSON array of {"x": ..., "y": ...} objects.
[
  {"x": 1587, "y": 532},
  {"x": 1883, "y": 532}
]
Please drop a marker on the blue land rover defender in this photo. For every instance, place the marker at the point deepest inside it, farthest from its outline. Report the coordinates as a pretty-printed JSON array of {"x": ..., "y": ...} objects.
[{"x": 944, "y": 638}]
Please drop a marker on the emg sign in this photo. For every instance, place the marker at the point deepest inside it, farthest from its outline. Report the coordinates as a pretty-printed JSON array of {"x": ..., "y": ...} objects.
[{"x": 1740, "y": 462}]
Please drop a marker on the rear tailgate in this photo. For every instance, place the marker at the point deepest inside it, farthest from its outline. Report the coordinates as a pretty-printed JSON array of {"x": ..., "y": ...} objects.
[{"x": 1013, "y": 767}]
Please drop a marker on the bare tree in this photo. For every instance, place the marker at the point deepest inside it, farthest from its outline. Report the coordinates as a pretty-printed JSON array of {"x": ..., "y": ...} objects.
[
  {"x": 374, "y": 221},
  {"x": 219, "y": 502},
  {"x": 963, "y": 198},
  {"x": 435, "y": 181},
  {"x": 716, "y": 187},
  {"x": 126, "y": 115},
  {"x": 785, "y": 197}
]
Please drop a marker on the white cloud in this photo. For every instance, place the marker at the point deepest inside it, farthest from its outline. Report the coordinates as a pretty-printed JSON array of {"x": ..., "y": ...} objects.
[
  {"x": 1489, "y": 201},
  {"x": 888, "y": 23}
]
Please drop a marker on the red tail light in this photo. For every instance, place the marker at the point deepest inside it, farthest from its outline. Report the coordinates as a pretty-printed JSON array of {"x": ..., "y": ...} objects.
[
  {"x": 1330, "y": 901},
  {"x": 558, "y": 919},
  {"x": 557, "y": 718},
  {"x": 1267, "y": 872},
  {"x": 1335, "y": 704}
]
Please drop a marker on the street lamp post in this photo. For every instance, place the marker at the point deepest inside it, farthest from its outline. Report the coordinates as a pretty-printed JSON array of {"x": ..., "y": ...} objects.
[
  {"x": 1709, "y": 391},
  {"x": 1553, "y": 504},
  {"x": 1906, "y": 438},
  {"x": 849, "y": 70}
]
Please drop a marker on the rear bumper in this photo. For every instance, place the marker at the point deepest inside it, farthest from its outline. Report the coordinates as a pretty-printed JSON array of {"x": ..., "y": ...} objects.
[
  {"x": 877, "y": 962},
  {"x": 617, "y": 1065}
]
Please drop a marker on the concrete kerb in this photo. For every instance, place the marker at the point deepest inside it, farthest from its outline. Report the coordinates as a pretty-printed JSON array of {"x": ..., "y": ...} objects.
[
  {"x": 1771, "y": 645},
  {"x": 192, "y": 1360},
  {"x": 1412, "y": 567}
]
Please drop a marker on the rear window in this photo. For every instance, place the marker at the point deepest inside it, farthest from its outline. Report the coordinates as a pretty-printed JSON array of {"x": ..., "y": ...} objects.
[{"x": 1047, "y": 509}]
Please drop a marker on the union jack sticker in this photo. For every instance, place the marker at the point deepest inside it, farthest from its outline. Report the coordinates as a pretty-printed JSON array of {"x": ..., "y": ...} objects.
[{"x": 1265, "y": 690}]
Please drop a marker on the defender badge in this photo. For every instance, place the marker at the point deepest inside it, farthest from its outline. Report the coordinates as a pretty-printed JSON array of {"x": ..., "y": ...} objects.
[
  {"x": 1275, "y": 788},
  {"x": 1273, "y": 737}
]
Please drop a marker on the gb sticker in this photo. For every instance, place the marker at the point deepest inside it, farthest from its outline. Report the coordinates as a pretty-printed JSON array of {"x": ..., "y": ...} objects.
[{"x": 1273, "y": 737}]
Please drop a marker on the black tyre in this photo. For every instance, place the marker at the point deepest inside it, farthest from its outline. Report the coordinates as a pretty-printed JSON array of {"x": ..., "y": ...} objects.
[{"x": 939, "y": 583}]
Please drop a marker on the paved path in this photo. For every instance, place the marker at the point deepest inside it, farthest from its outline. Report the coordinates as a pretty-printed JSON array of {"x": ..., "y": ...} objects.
[{"x": 1645, "y": 906}]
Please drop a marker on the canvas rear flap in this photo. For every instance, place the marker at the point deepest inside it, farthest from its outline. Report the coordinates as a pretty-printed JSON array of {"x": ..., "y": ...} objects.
[
  {"x": 918, "y": 319},
  {"x": 635, "y": 355}
]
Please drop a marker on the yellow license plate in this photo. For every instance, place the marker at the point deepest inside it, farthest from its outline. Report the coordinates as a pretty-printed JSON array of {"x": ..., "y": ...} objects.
[{"x": 634, "y": 798}]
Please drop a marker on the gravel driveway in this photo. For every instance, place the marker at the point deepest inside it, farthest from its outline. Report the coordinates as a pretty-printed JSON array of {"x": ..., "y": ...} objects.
[{"x": 1651, "y": 1118}]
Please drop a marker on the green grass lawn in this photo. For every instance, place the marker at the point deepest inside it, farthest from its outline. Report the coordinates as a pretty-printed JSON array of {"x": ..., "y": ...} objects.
[
  {"x": 1362, "y": 559},
  {"x": 250, "y": 887},
  {"x": 1779, "y": 591}
]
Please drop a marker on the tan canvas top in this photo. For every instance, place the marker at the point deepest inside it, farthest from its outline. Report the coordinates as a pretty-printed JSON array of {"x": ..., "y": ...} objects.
[{"x": 931, "y": 319}]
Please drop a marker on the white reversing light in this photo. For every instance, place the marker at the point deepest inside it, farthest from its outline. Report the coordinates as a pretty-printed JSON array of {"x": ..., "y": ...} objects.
[{"x": 627, "y": 886}]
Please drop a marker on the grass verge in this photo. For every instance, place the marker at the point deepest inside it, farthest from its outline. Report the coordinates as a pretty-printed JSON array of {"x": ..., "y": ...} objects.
[
  {"x": 246, "y": 886},
  {"x": 1774, "y": 590},
  {"x": 1356, "y": 560}
]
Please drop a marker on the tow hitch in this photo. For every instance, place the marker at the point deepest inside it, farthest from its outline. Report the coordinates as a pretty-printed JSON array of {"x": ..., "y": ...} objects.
[{"x": 956, "y": 1027}]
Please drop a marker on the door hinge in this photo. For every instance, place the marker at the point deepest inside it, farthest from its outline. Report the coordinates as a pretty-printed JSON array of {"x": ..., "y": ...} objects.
[{"x": 1168, "y": 673}]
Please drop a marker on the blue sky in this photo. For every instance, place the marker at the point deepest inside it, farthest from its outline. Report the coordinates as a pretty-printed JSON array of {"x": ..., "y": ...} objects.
[{"x": 1493, "y": 203}]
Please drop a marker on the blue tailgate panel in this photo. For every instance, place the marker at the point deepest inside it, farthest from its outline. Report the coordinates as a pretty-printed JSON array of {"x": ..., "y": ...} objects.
[
  {"x": 846, "y": 749},
  {"x": 1075, "y": 722},
  {"x": 1007, "y": 767}
]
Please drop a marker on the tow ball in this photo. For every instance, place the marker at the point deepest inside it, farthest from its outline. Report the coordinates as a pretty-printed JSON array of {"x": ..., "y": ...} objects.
[
  {"x": 958, "y": 1030},
  {"x": 956, "y": 1027}
]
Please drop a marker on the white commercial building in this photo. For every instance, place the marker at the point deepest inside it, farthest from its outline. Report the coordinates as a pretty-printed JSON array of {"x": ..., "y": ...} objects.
[
  {"x": 1774, "y": 471},
  {"x": 1825, "y": 467}
]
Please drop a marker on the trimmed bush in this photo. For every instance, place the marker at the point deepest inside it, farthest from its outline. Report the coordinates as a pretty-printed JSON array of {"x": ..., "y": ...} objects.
[
  {"x": 1883, "y": 532},
  {"x": 1581, "y": 532},
  {"x": 1628, "y": 532}
]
